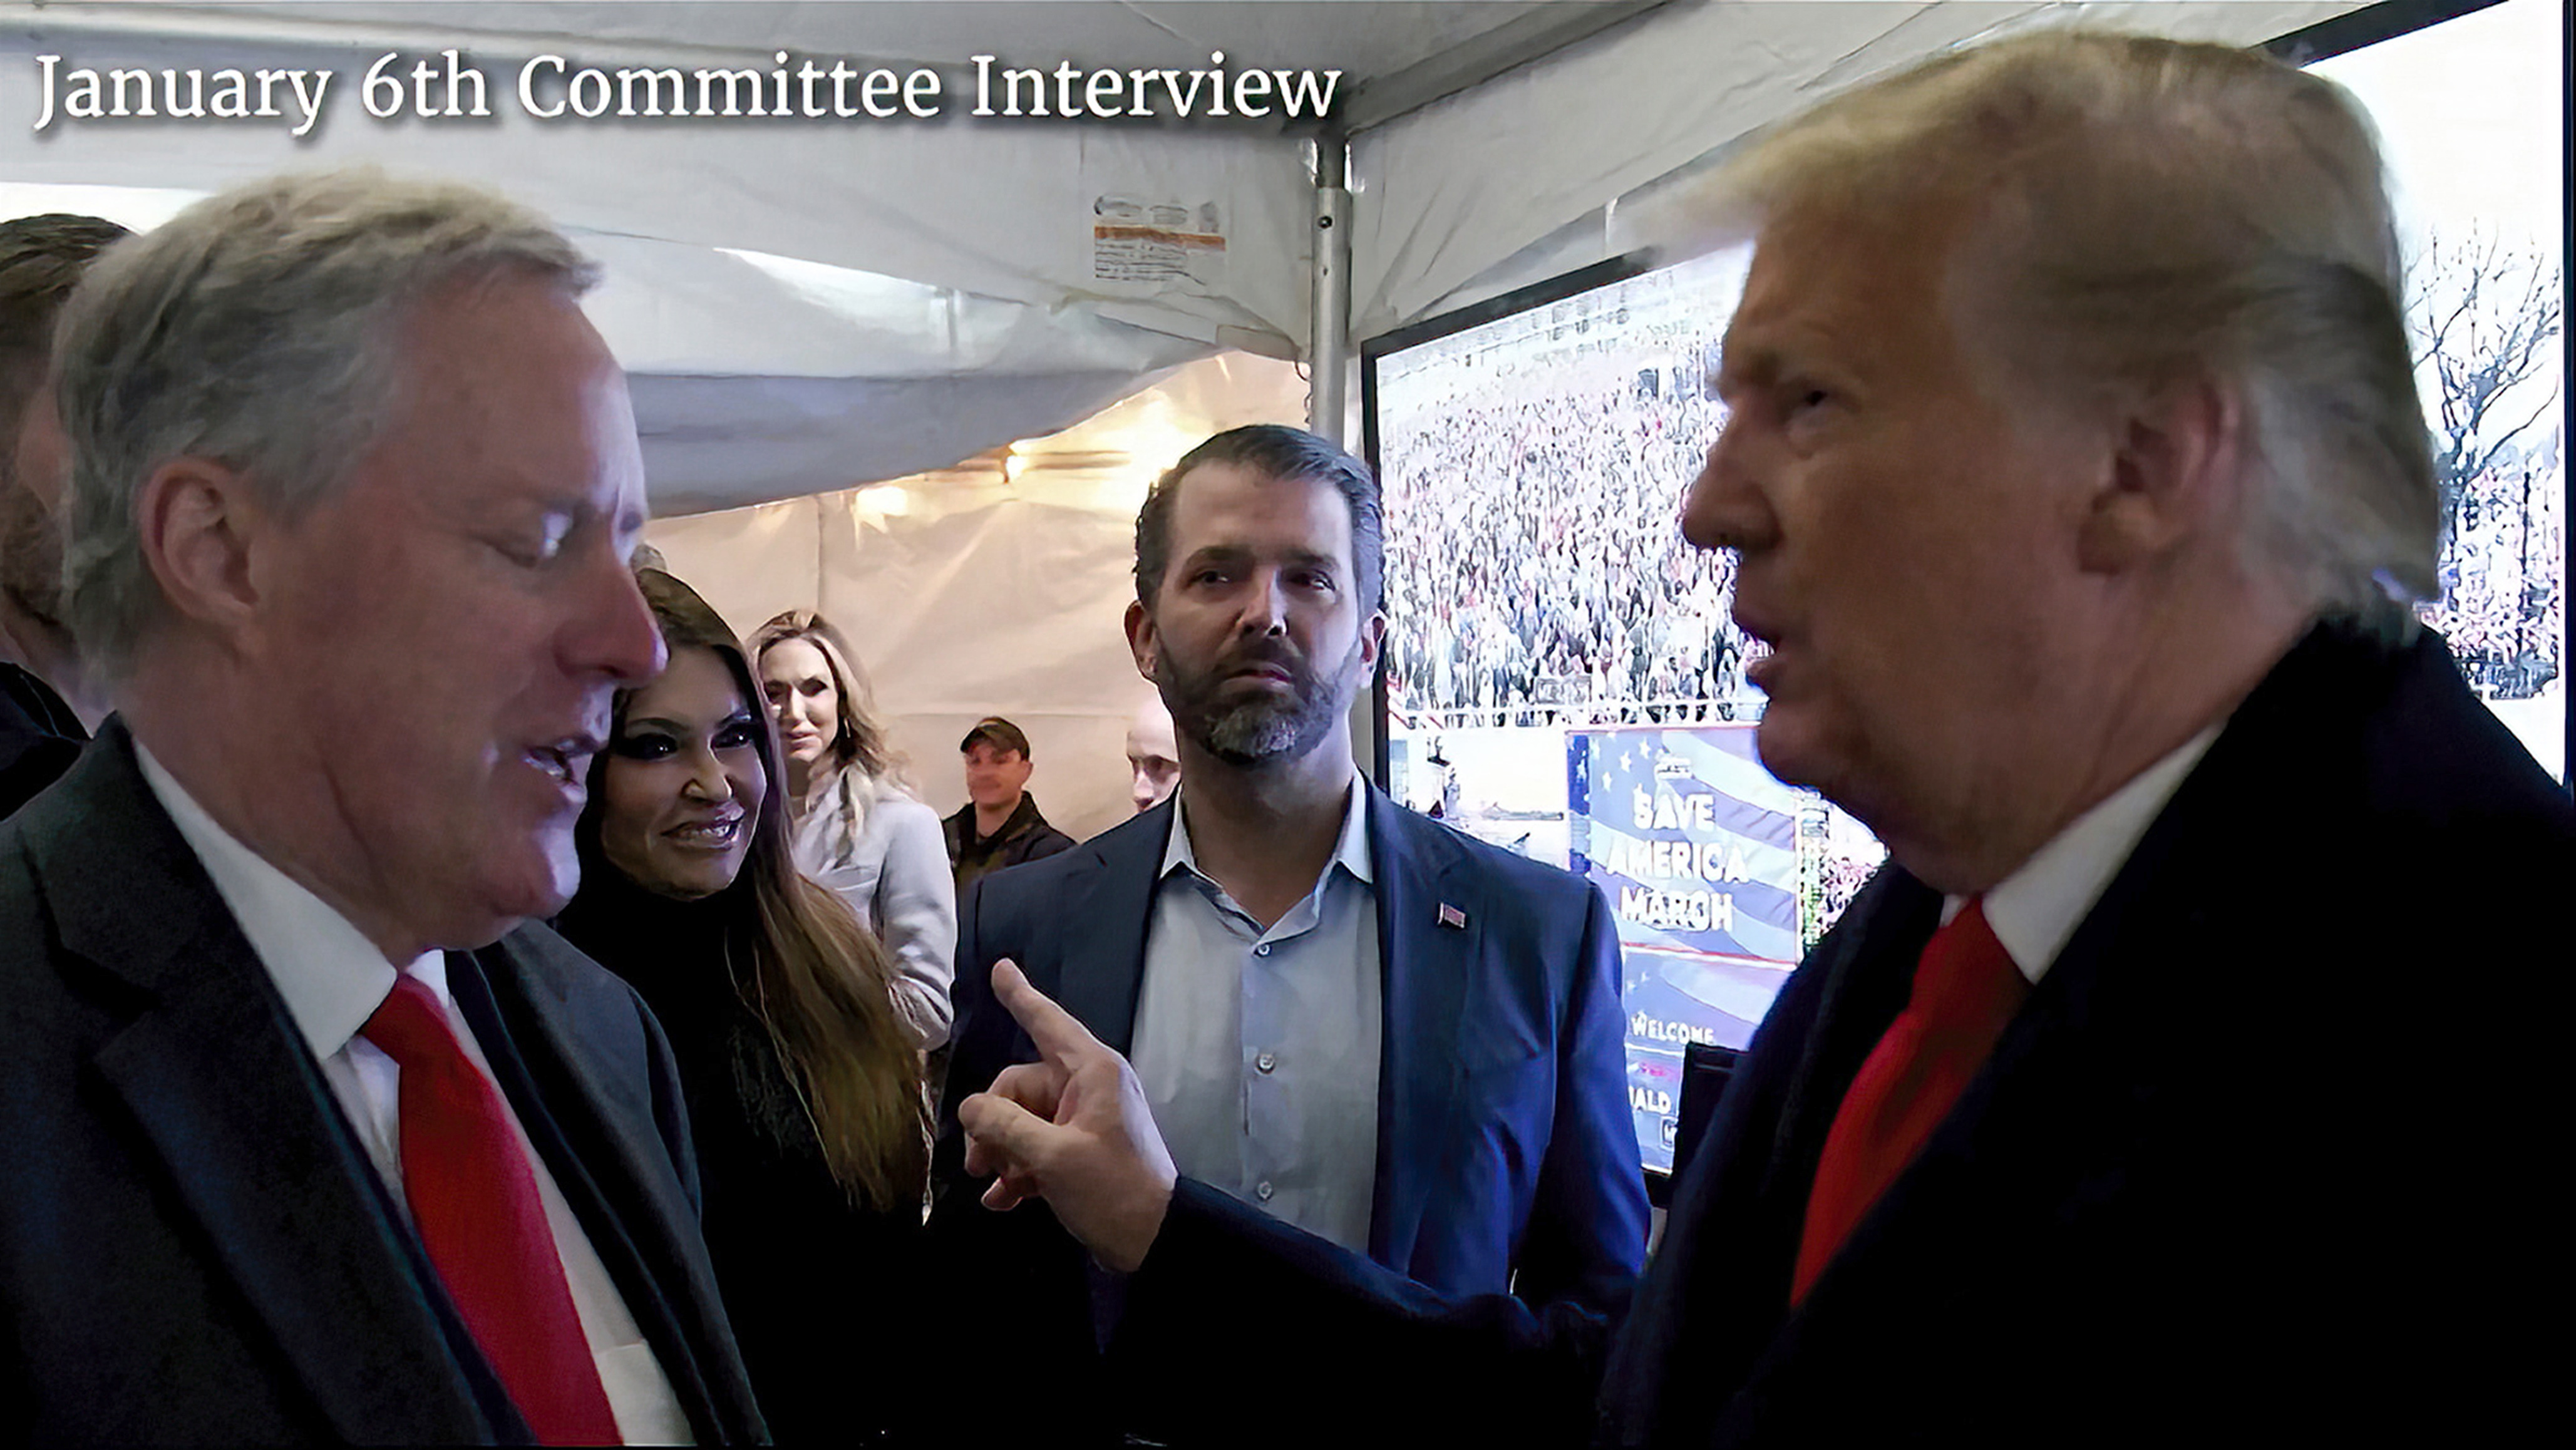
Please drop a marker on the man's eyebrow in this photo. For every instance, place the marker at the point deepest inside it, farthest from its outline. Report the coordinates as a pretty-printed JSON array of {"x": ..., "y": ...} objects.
[{"x": 1746, "y": 364}]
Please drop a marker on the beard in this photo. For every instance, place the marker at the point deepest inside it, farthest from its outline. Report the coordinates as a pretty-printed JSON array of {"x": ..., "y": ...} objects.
[{"x": 1267, "y": 727}]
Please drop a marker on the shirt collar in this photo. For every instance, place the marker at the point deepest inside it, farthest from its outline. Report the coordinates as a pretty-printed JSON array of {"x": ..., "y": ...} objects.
[
  {"x": 330, "y": 975},
  {"x": 2037, "y": 908},
  {"x": 1351, "y": 852}
]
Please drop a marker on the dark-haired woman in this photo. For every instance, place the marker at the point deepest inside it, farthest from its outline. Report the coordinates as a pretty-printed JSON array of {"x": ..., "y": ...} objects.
[{"x": 803, "y": 1086}]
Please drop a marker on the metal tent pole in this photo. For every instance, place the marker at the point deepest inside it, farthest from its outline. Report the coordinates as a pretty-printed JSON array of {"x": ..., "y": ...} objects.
[{"x": 1328, "y": 346}]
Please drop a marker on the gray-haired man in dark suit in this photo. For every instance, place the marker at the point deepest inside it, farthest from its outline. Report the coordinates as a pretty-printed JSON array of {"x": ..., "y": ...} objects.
[{"x": 310, "y": 1138}]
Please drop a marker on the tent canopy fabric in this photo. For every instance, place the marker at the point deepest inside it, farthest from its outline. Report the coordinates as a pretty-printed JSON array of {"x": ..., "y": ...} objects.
[
  {"x": 1459, "y": 187},
  {"x": 809, "y": 305}
]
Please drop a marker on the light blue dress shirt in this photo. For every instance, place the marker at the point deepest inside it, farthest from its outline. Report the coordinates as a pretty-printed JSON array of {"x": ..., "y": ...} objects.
[{"x": 1258, "y": 1050}]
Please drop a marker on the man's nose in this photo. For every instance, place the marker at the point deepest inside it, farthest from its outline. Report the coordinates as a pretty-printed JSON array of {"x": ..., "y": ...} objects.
[
  {"x": 1265, "y": 605},
  {"x": 616, "y": 634},
  {"x": 1726, "y": 507}
]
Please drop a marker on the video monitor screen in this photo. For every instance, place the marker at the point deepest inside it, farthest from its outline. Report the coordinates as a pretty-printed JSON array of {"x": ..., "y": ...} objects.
[{"x": 1562, "y": 676}]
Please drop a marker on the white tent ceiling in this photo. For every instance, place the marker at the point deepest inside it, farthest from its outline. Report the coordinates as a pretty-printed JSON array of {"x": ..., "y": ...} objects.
[{"x": 810, "y": 305}]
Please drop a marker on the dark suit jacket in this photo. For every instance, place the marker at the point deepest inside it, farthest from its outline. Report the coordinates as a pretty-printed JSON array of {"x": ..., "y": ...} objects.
[
  {"x": 40, "y": 737},
  {"x": 1505, "y": 1143},
  {"x": 2262, "y": 1152},
  {"x": 193, "y": 1245}
]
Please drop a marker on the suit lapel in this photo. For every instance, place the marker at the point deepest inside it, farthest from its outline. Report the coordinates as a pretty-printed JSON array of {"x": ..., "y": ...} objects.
[
  {"x": 240, "y": 1117},
  {"x": 1107, "y": 914},
  {"x": 579, "y": 1110},
  {"x": 2070, "y": 1070},
  {"x": 2053, "y": 1120},
  {"x": 1718, "y": 1291},
  {"x": 554, "y": 1073},
  {"x": 1865, "y": 986},
  {"x": 2058, "y": 1104},
  {"x": 1423, "y": 970}
]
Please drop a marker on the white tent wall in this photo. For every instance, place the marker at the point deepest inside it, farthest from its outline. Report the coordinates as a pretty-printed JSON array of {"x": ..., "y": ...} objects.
[
  {"x": 994, "y": 588},
  {"x": 1540, "y": 158}
]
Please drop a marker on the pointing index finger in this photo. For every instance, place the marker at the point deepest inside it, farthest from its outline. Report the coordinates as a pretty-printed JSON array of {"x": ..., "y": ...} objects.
[{"x": 1061, "y": 1039}]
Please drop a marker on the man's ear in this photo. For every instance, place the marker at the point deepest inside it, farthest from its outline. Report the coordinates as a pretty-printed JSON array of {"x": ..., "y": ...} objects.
[
  {"x": 1373, "y": 642},
  {"x": 2175, "y": 472},
  {"x": 198, "y": 526},
  {"x": 1141, "y": 639}
]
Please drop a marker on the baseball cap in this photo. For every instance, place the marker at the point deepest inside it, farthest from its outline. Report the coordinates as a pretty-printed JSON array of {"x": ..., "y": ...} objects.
[{"x": 999, "y": 733}]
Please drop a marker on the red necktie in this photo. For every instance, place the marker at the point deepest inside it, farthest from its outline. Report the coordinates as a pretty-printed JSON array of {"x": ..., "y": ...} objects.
[
  {"x": 1966, "y": 989},
  {"x": 474, "y": 1200}
]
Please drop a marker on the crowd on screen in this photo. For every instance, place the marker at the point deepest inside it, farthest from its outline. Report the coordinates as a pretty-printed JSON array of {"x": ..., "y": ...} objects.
[{"x": 1535, "y": 567}]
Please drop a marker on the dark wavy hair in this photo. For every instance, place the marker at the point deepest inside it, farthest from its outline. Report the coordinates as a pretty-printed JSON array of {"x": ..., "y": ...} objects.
[{"x": 820, "y": 983}]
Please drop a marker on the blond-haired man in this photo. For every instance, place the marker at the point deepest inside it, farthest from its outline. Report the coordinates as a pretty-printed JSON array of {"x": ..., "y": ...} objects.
[{"x": 2081, "y": 492}]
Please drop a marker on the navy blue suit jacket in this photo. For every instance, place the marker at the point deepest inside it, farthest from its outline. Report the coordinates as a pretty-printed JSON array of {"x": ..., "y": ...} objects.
[
  {"x": 2261, "y": 1157},
  {"x": 1507, "y": 1155},
  {"x": 193, "y": 1245}
]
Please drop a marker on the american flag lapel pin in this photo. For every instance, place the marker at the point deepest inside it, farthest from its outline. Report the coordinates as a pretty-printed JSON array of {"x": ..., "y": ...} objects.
[{"x": 1452, "y": 917}]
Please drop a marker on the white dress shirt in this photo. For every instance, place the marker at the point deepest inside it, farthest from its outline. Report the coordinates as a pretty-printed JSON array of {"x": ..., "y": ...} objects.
[
  {"x": 2037, "y": 908},
  {"x": 1258, "y": 1050},
  {"x": 333, "y": 979}
]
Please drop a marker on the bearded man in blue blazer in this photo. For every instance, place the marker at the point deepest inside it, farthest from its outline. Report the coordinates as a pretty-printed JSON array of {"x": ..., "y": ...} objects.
[{"x": 1347, "y": 1016}]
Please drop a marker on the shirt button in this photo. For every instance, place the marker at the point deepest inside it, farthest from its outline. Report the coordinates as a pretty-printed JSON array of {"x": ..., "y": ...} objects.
[
  {"x": 1265, "y": 1062},
  {"x": 1263, "y": 1191},
  {"x": 1262, "y": 950}
]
